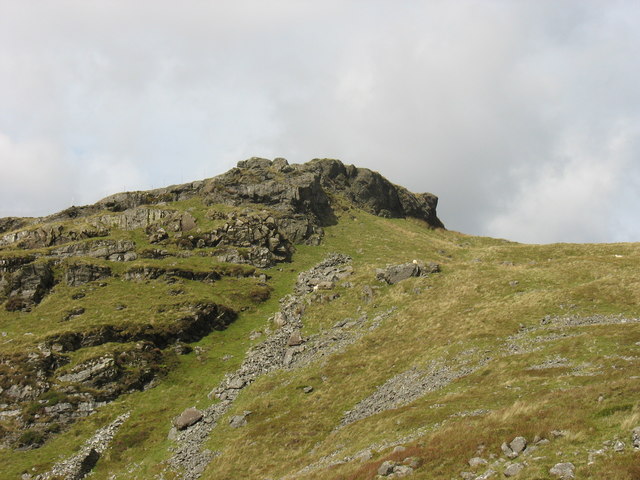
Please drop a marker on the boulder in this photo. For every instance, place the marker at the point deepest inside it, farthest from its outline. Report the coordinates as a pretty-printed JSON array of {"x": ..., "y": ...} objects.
[
  {"x": 386, "y": 468},
  {"x": 187, "y": 222},
  {"x": 400, "y": 471},
  {"x": 238, "y": 421},
  {"x": 189, "y": 417},
  {"x": 295, "y": 339},
  {"x": 564, "y": 471},
  {"x": 518, "y": 445},
  {"x": 506, "y": 449},
  {"x": 396, "y": 273},
  {"x": 513, "y": 469}
]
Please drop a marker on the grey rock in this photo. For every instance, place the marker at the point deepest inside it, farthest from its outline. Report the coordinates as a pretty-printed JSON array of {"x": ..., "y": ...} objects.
[
  {"x": 400, "y": 471},
  {"x": 30, "y": 283},
  {"x": 618, "y": 446},
  {"x": 254, "y": 162},
  {"x": 81, "y": 273},
  {"x": 188, "y": 418},
  {"x": 295, "y": 339},
  {"x": 364, "y": 455},
  {"x": 486, "y": 475},
  {"x": 114, "y": 250},
  {"x": 399, "y": 448},
  {"x": 308, "y": 389},
  {"x": 279, "y": 164},
  {"x": 396, "y": 273},
  {"x": 94, "y": 372},
  {"x": 236, "y": 383},
  {"x": 477, "y": 462},
  {"x": 279, "y": 320},
  {"x": 635, "y": 437},
  {"x": 506, "y": 449},
  {"x": 238, "y": 421},
  {"x": 564, "y": 471},
  {"x": 513, "y": 469},
  {"x": 518, "y": 445},
  {"x": 386, "y": 468}
]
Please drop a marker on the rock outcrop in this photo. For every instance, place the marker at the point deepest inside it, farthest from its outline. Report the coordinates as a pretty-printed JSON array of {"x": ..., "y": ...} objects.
[
  {"x": 396, "y": 273},
  {"x": 27, "y": 285}
]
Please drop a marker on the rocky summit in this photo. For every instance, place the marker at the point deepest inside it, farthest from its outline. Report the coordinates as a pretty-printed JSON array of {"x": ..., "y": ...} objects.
[{"x": 309, "y": 321}]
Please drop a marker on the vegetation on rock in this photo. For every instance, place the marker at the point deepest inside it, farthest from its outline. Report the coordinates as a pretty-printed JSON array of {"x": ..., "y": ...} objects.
[{"x": 311, "y": 322}]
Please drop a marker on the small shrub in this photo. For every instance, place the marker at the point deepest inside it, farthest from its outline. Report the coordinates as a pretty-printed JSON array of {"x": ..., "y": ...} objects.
[
  {"x": 607, "y": 412},
  {"x": 259, "y": 293},
  {"x": 15, "y": 304},
  {"x": 53, "y": 397},
  {"x": 30, "y": 438}
]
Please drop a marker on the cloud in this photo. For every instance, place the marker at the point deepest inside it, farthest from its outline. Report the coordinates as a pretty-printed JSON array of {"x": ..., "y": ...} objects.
[
  {"x": 27, "y": 171},
  {"x": 504, "y": 109}
]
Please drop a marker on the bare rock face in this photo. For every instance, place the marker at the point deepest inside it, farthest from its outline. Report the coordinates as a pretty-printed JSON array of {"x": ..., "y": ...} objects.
[
  {"x": 294, "y": 190},
  {"x": 81, "y": 273},
  {"x": 29, "y": 284}
]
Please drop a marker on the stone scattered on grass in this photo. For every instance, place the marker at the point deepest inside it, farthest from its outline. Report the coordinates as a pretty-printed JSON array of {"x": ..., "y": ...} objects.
[
  {"x": 386, "y": 468},
  {"x": 564, "y": 471},
  {"x": 477, "y": 462},
  {"x": 513, "y": 469},
  {"x": 518, "y": 445},
  {"x": 635, "y": 437},
  {"x": 238, "y": 421}
]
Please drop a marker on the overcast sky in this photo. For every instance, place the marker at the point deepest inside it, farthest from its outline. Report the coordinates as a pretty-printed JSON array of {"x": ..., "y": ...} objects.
[{"x": 522, "y": 116}]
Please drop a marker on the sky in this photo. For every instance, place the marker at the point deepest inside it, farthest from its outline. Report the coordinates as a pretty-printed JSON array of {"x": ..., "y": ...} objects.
[{"x": 522, "y": 116}]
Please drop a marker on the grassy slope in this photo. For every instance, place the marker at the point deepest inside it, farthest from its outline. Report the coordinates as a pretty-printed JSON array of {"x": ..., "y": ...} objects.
[{"x": 470, "y": 305}]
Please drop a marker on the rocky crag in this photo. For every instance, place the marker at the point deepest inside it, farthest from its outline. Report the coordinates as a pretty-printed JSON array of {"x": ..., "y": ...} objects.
[
  {"x": 207, "y": 331},
  {"x": 253, "y": 215}
]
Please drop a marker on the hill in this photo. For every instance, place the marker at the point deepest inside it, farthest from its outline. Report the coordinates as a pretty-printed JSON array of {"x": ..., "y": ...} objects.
[{"x": 309, "y": 321}]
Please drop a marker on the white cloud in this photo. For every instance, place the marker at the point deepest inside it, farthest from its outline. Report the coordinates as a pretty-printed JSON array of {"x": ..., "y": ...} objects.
[
  {"x": 492, "y": 105},
  {"x": 34, "y": 177}
]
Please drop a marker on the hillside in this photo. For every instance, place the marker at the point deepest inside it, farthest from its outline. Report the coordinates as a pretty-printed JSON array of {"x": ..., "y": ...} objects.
[{"x": 309, "y": 321}]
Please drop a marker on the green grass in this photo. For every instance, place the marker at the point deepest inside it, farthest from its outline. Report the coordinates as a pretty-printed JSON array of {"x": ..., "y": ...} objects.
[{"x": 470, "y": 305}]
